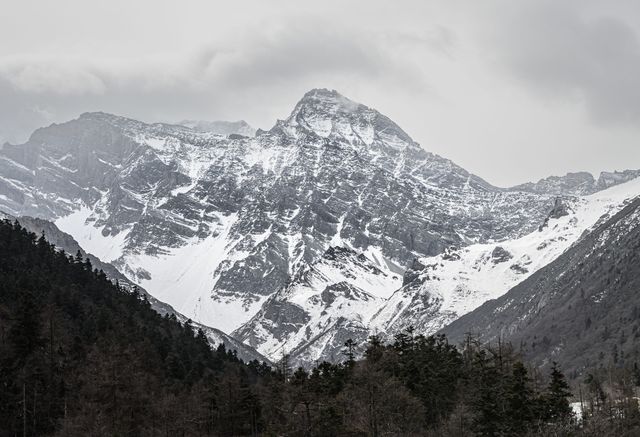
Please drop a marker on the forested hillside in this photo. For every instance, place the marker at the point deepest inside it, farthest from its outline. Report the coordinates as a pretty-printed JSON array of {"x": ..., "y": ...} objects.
[
  {"x": 64, "y": 241},
  {"x": 81, "y": 356}
]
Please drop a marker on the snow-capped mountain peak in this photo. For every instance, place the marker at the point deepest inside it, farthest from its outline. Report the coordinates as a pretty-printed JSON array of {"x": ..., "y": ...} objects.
[
  {"x": 311, "y": 225},
  {"x": 329, "y": 114}
]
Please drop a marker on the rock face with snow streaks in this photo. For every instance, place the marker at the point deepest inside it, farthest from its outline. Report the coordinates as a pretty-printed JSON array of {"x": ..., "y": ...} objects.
[
  {"x": 457, "y": 281},
  {"x": 295, "y": 239},
  {"x": 581, "y": 309}
]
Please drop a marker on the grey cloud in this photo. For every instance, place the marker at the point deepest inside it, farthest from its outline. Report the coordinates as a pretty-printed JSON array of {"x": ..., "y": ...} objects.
[
  {"x": 563, "y": 50},
  {"x": 48, "y": 76},
  {"x": 430, "y": 66},
  {"x": 296, "y": 52},
  {"x": 438, "y": 39},
  {"x": 224, "y": 75}
]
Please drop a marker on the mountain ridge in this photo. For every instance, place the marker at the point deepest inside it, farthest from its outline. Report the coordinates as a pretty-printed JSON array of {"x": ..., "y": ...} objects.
[
  {"x": 231, "y": 231},
  {"x": 580, "y": 309}
]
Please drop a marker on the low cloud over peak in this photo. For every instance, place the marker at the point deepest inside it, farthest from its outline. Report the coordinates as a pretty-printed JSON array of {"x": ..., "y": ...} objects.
[{"x": 544, "y": 83}]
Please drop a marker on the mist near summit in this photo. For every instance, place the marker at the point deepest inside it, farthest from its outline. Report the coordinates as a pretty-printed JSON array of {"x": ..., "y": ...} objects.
[{"x": 513, "y": 92}]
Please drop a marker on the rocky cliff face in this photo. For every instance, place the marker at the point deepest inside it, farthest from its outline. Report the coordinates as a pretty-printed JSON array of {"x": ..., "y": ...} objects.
[
  {"x": 578, "y": 184},
  {"x": 293, "y": 239},
  {"x": 442, "y": 288},
  {"x": 581, "y": 309}
]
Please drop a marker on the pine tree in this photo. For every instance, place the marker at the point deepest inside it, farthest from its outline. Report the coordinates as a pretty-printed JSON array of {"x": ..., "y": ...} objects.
[
  {"x": 284, "y": 366},
  {"x": 486, "y": 399},
  {"x": 375, "y": 349},
  {"x": 24, "y": 334},
  {"x": 520, "y": 401},
  {"x": 636, "y": 375},
  {"x": 556, "y": 404},
  {"x": 349, "y": 351}
]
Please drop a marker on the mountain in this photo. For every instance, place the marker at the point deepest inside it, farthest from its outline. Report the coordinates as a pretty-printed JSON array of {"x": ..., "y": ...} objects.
[
  {"x": 442, "y": 288},
  {"x": 578, "y": 184},
  {"x": 221, "y": 127},
  {"x": 582, "y": 309},
  {"x": 293, "y": 240},
  {"x": 64, "y": 241},
  {"x": 83, "y": 357}
]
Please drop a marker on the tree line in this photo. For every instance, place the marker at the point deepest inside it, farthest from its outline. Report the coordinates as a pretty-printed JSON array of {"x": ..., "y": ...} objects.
[{"x": 82, "y": 356}]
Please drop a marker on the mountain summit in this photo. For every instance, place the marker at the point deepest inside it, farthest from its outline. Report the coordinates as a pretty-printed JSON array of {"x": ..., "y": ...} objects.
[
  {"x": 295, "y": 239},
  {"x": 327, "y": 113}
]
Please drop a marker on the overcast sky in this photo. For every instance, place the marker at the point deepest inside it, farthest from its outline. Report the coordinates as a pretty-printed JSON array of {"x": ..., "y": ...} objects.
[{"x": 511, "y": 90}]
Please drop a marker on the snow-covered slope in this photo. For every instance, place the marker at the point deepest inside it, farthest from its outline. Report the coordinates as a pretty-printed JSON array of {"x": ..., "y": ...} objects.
[
  {"x": 580, "y": 310},
  {"x": 66, "y": 242},
  {"x": 234, "y": 232},
  {"x": 446, "y": 286},
  {"x": 329, "y": 302}
]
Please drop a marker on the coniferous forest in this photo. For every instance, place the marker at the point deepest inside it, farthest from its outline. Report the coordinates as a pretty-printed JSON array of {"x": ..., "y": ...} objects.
[{"x": 80, "y": 356}]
